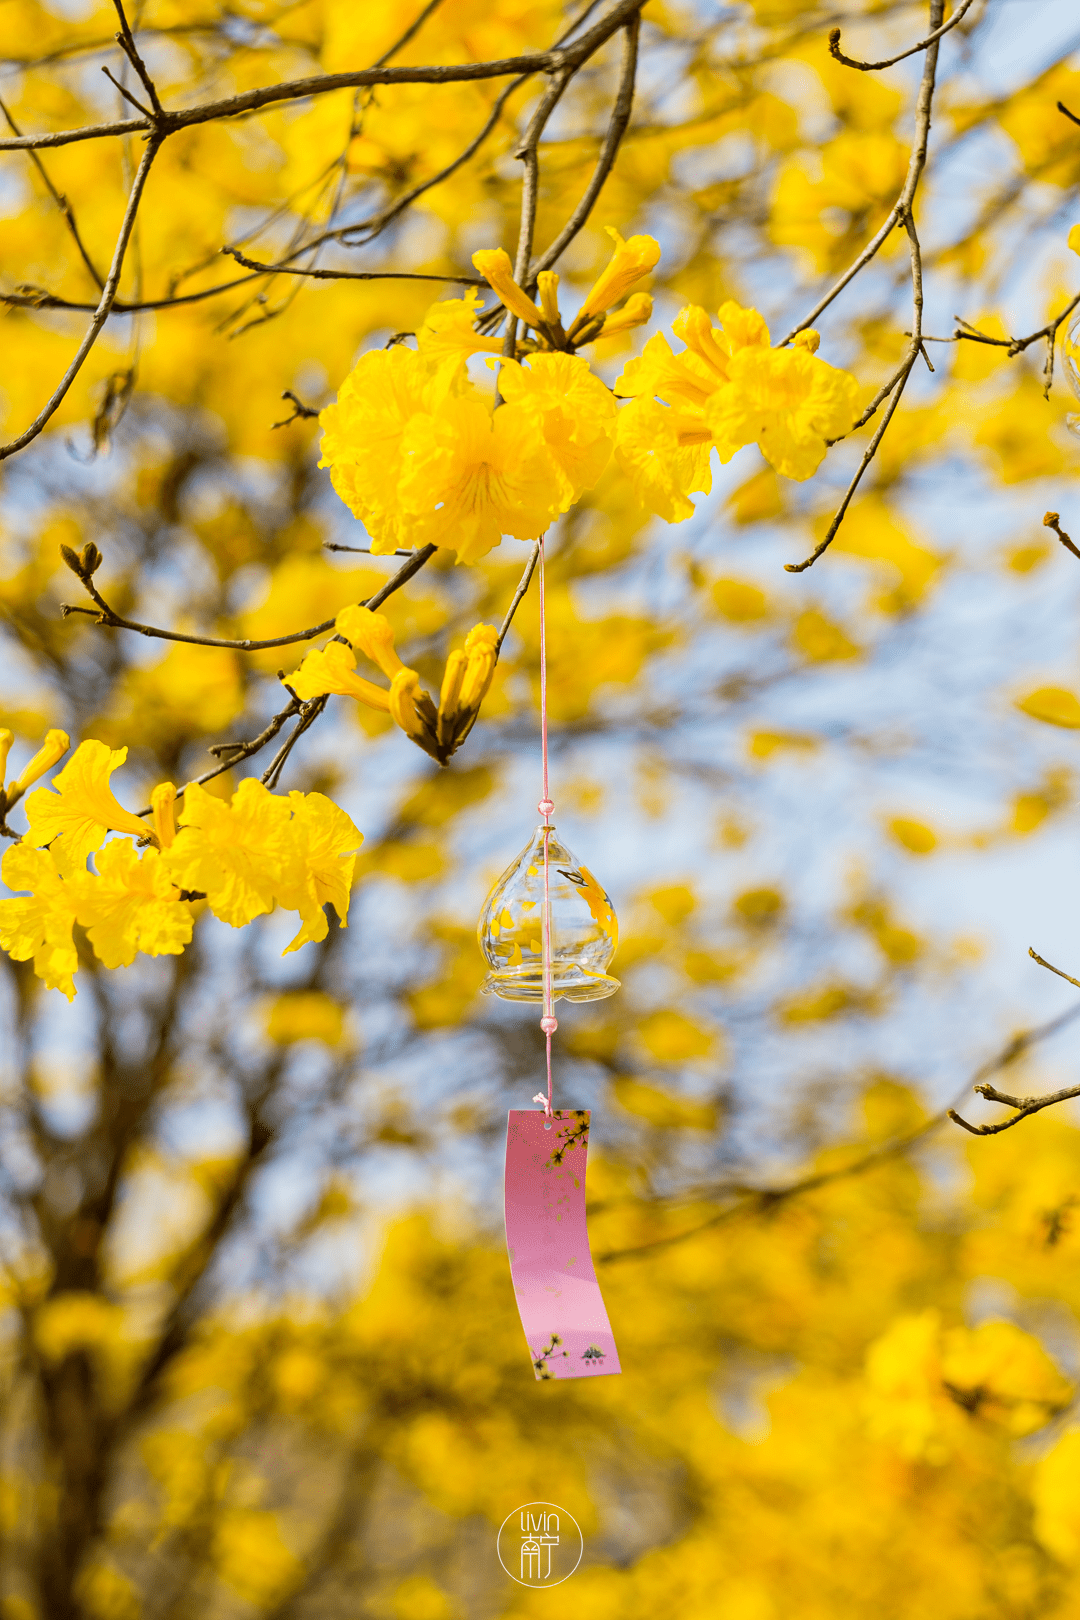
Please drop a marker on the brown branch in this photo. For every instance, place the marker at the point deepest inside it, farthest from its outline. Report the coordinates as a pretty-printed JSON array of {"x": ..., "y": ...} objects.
[
  {"x": 1025, "y": 1105},
  {"x": 913, "y": 50},
  {"x": 758, "y": 1200},
  {"x": 112, "y": 620},
  {"x": 64, "y": 206},
  {"x": 1052, "y": 521},
  {"x": 523, "y": 585},
  {"x": 1061, "y": 107},
  {"x": 549, "y": 61},
  {"x": 901, "y": 209},
  {"x": 301, "y": 412},
  {"x": 126, "y": 41},
  {"x": 1015, "y": 346},
  {"x": 349, "y": 275},
  {"x": 101, "y": 314},
  {"x": 127, "y": 95}
]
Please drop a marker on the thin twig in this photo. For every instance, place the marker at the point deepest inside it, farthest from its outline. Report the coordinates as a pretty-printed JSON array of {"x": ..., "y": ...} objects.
[
  {"x": 901, "y": 209},
  {"x": 549, "y": 61},
  {"x": 761, "y": 1199},
  {"x": 64, "y": 206},
  {"x": 1024, "y": 1105},
  {"x": 965, "y": 332},
  {"x": 108, "y": 293},
  {"x": 523, "y": 585},
  {"x": 114, "y": 621},
  {"x": 350, "y": 275},
  {"x": 126, "y": 40},
  {"x": 913, "y": 50},
  {"x": 1052, "y": 520},
  {"x": 1061, "y": 107}
]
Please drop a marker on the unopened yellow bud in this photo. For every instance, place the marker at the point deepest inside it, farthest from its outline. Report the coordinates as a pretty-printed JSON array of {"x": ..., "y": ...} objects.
[
  {"x": 372, "y": 633},
  {"x": 548, "y": 284},
  {"x": 480, "y": 652},
  {"x": 635, "y": 312},
  {"x": 807, "y": 339},
  {"x": 630, "y": 261},
  {"x": 495, "y": 267},
  {"x": 54, "y": 747},
  {"x": 6, "y": 739},
  {"x": 162, "y": 802},
  {"x": 451, "y": 686},
  {"x": 403, "y": 693}
]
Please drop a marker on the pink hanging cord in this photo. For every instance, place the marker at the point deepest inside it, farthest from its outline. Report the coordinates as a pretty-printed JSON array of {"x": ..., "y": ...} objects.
[{"x": 548, "y": 1023}]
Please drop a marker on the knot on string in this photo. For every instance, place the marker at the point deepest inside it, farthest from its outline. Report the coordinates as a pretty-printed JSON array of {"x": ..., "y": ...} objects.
[{"x": 546, "y": 1103}]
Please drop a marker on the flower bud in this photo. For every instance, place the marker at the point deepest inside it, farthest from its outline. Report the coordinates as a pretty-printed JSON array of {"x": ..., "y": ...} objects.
[
  {"x": 54, "y": 747},
  {"x": 495, "y": 267}
]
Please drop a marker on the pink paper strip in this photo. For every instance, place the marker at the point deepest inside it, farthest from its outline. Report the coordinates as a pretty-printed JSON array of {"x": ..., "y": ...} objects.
[{"x": 558, "y": 1296}]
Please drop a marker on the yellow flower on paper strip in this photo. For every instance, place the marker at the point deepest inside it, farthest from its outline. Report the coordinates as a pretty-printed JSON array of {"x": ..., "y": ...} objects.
[
  {"x": 665, "y": 455},
  {"x": 363, "y": 430},
  {"x": 333, "y": 669},
  {"x": 82, "y": 809},
  {"x": 572, "y": 410},
  {"x": 449, "y": 330},
  {"x": 321, "y": 854},
  {"x": 630, "y": 261},
  {"x": 473, "y": 475},
  {"x": 131, "y": 905},
  {"x": 38, "y": 928},
  {"x": 233, "y": 853}
]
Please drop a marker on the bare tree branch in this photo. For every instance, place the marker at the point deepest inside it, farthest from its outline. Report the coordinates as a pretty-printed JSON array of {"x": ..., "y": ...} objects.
[{"x": 875, "y": 67}]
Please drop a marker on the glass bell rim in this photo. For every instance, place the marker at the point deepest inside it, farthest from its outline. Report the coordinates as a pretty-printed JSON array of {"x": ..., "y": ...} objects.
[{"x": 575, "y": 984}]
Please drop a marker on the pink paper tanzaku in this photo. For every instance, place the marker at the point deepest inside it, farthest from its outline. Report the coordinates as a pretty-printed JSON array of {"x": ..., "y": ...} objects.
[{"x": 558, "y": 1296}]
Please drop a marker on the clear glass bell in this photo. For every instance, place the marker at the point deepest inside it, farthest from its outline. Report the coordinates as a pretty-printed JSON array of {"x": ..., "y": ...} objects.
[{"x": 584, "y": 928}]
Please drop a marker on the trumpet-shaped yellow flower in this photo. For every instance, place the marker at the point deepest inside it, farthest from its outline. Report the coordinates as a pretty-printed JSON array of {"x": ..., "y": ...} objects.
[
  {"x": 495, "y": 267},
  {"x": 635, "y": 312},
  {"x": 449, "y": 330},
  {"x": 321, "y": 857},
  {"x": 131, "y": 904},
  {"x": 572, "y": 412},
  {"x": 788, "y": 402},
  {"x": 333, "y": 669},
  {"x": 665, "y": 454},
  {"x": 38, "y": 928},
  {"x": 54, "y": 747},
  {"x": 630, "y": 261},
  {"x": 373, "y": 634},
  {"x": 233, "y": 853},
  {"x": 83, "y": 808},
  {"x": 473, "y": 475},
  {"x": 465, "y": 684},
  {"x": 363, "y": 432},
  {"x": 682, "y": 379}
]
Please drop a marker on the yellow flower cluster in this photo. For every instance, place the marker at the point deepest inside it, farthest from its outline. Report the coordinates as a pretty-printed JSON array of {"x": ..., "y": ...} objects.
[
  {"x": 418, "y": 454},
  {"x": 423, "y": 457},
  {"x": 242, "y": 858},
  {"x": 440, "y": 730},
  {"x": 726, "y": 389}
]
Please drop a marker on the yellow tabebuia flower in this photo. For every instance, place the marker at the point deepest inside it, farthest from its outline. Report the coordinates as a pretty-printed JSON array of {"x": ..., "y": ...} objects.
[
  {"x": 163, "y": 814},
  {"x": 495, "y": 267},
  {"x": 572, "y": 410},
  {"x": 373, "y": 634},
  {"x": 6, "y": 739},
  {"x": 82, "y": 809},
  {"x": 233, "y": 853},
  {"x": 364, "y": 428},
  {"x": 449, "y": 330},
  {"x": 333, "y": 669},
  {"x": 1073, "y": 239},
  {"x": 38, "y": 928},
  {"x": 54, "y": 747},
  {"x": 473, "y": 474},
  {"x": 664, "y": 453},
  {"x": 321, "y": 858},
  {"x": 630, "y": 261},
  {"x": 786, "y": 401},
  {"x": 635, "y": 312},
  {"x": 131, "y": 904}
]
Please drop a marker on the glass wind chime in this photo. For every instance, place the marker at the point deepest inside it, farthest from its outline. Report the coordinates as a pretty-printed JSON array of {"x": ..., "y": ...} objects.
[{"x": 548, "y": 929}]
